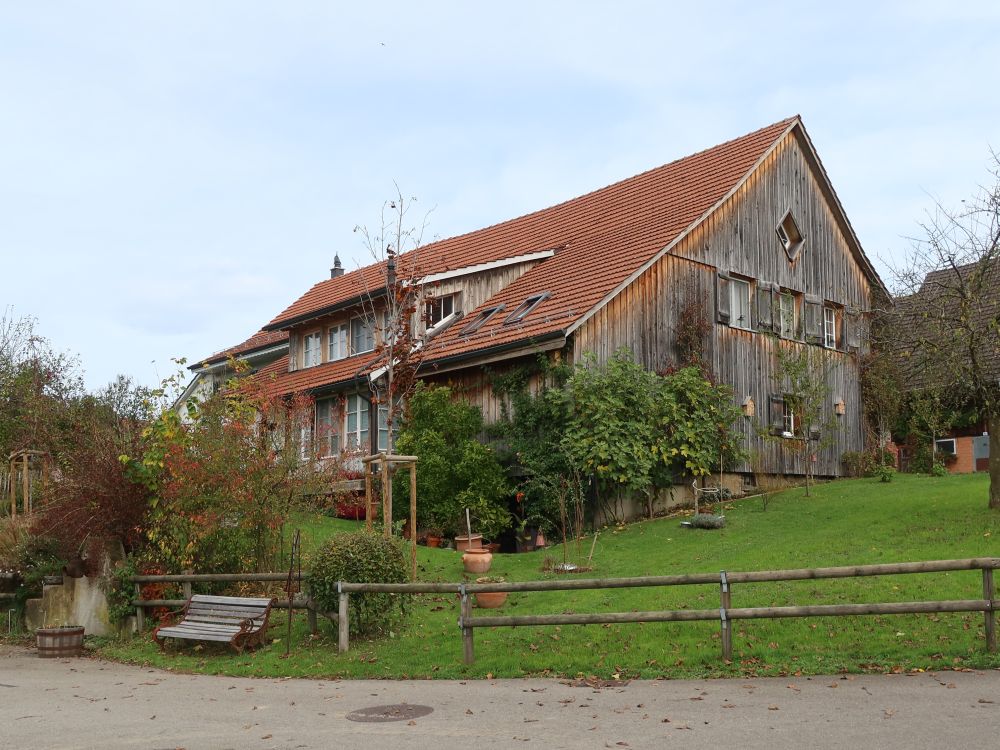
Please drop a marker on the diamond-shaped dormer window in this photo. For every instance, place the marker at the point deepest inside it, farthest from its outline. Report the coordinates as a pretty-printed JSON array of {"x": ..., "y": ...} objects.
[{"x": 790, "y": 237}]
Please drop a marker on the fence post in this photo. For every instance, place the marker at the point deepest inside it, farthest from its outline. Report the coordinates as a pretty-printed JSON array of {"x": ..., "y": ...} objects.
[
  {"x": 311, "y": 616},
  {"x": 989, "y": 594},
  {"x": 140, "y": 613},
  {"x": 186, "y": 585},
  {"x": 343, "y": 621},
  {"x": 468, "y": 651},
  {"x": 724, "y": 621}
]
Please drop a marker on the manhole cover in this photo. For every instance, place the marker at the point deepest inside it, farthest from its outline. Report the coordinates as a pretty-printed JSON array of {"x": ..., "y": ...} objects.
[{"x": 397, "y": 712}]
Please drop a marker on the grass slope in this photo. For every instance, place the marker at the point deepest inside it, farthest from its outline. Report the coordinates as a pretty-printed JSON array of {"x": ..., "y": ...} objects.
[{"x": 844, "y": 523}]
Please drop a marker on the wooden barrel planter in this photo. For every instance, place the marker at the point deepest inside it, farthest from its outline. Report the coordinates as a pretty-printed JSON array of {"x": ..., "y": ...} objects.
[{"x": 59, "y": 643}]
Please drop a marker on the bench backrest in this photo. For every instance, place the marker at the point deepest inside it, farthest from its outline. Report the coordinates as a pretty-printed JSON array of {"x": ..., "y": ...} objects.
[{"x": 227, "y": 609}]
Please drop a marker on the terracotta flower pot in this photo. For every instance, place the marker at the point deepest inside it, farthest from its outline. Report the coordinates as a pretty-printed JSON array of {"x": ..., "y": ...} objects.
[
  {"x": 433, "y": 540},
  {"x": 490, "y": 600},
  {"x": 463, "y": 543},
  {"x": 477, "y": 560}
]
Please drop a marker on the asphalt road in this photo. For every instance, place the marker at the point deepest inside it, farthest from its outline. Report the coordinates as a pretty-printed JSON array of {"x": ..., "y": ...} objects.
[{"x": 88, "y": 703}]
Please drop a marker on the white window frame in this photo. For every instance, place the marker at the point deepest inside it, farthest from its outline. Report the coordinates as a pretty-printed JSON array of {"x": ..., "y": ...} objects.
[
  {"x": 356, "y": 435},
  {"x": 312, "y": 349},
  {"x": 365, "y": 324},
  {"x": 739, "y": 303},
  {"x": 829, "y": 327},
  {"x": 338, "y": 338},
  {"x": 326, "y": 434},
  {"x": 786, "y": 315},
  {"x": 788, "y": 423},
  {"x": 939, "y": 446},
  {"x": 790, "y": 236}
]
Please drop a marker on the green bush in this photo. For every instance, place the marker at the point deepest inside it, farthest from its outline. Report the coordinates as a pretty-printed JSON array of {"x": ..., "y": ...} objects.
[
  {"x": 361, "y": 557},
  {"x": 455, "y": 470},
  {"x": 885, "y": 472},
  {"x": 939, "y": 469}
]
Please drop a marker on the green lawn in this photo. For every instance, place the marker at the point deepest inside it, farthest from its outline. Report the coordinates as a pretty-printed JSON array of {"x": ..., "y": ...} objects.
[{"x": 848, "y": 522}]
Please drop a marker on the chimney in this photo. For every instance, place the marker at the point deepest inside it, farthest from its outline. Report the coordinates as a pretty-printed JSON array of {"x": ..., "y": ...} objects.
[{"x": 337, "y": 270}]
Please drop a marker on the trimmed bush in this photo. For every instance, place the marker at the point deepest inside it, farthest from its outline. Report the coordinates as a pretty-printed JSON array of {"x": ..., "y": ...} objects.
[{"x": 361, "y": 557}]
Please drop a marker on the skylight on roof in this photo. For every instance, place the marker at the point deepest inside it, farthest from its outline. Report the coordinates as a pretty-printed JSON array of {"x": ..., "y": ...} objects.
[
  {"x": 477, "y": 322},
  {"x": 524, "y": 309}
]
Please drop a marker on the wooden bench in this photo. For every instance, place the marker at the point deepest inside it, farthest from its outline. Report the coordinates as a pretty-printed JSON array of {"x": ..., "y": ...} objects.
[{"x": 238, "y": 621}]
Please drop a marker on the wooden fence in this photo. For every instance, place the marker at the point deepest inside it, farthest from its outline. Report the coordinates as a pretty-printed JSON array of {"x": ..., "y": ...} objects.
[{"x": 724, "y": 614}]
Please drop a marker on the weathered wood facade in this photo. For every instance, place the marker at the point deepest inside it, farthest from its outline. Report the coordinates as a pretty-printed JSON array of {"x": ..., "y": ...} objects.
[{"x": 739, "y": 238}]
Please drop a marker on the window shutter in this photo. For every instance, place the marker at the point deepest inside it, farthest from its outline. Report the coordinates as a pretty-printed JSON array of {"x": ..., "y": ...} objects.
[
  {"x": 723, "y": 299},
  {"x": 776, "y": 413},
  {"x": 765, "y": 306},
  {"x": 293, "y": 352},
  {"x": 813, "y": 307},
  {"x": 852, "y": 336}
]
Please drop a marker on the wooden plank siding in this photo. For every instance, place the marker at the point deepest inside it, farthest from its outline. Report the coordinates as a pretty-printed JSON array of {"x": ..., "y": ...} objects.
[{"x": 739, "y": 237}]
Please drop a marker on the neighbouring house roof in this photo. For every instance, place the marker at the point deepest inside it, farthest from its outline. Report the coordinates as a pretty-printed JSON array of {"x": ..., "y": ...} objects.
[
  {"x": 601, "y": 241},
  {"x": 258, "y": 342},
  {"x": 930, "y": 318}
]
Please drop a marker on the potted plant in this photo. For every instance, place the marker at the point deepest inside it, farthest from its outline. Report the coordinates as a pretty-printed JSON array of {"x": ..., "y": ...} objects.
[
  {"x": 491, "y": 599},
  {"x": 434, "y": 536}
]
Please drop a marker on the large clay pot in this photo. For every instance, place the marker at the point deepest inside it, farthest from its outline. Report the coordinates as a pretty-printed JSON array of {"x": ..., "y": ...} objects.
[
  {"x": 433, "y": 540},
  {"x": 463, "y": 543},
  {"x": 477, "y": 560}
]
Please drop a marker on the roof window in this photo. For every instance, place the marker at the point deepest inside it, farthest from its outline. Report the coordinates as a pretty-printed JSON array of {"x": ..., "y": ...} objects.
[
  {"x": 790, "y": 236},
  {"x": 522, "y": 310},
  {"x": 477, "y": 322}
]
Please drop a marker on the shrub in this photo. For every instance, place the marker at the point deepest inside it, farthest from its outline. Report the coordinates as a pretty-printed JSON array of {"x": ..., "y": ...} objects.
[
  {"x": 361, "y": 557},
  {"x": 939, "y": 470},
  {"x": 856, "y": 463},
  {"x": 707, "y": 521},
  {"x": 455, "y": 470},
  {"x": 885, "y": 473}
]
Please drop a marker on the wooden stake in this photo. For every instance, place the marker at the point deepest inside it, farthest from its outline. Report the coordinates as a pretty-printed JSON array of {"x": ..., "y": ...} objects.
[
  {"x": 413, "y": 522},
  {"x": 25, "y": 485},
  {"x": 369, "y": 504},
  {"x": 386, "y": 500}
]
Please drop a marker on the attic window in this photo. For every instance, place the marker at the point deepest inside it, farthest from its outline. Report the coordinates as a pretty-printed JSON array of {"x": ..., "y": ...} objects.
[
  {"x": 477, "y": 322},
  {"x": 790, "y": 236},
  {"x": 524, "y": 309}
]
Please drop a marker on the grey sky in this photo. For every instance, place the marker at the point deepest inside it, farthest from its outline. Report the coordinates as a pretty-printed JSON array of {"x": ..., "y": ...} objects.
[{"x": 172, "y": 175}]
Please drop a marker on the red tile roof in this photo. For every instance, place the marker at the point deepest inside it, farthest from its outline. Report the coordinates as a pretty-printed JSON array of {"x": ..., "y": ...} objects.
[
  {"x": 260, "y": 340},
  {"x": 602, "y": 238}
]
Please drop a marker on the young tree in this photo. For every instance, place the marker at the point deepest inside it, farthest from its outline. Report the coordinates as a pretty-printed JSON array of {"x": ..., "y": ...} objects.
[
  {"x": 802, "y": 374},
  {"x": 392, "y": 303},
  {"x": 948, "y": 316},
  {"x": 882, "y": 384}
]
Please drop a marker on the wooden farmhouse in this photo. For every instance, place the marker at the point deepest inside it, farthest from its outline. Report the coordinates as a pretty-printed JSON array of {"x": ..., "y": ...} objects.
[{"x": 750, "y": 230}]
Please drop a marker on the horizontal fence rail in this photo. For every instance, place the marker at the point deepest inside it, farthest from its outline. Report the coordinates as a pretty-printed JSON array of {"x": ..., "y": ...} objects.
[{"x": 988, "y": 605}]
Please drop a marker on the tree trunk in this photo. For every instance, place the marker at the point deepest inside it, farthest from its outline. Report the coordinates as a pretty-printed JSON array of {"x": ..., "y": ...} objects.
[{"x": 993, "y": 423}]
